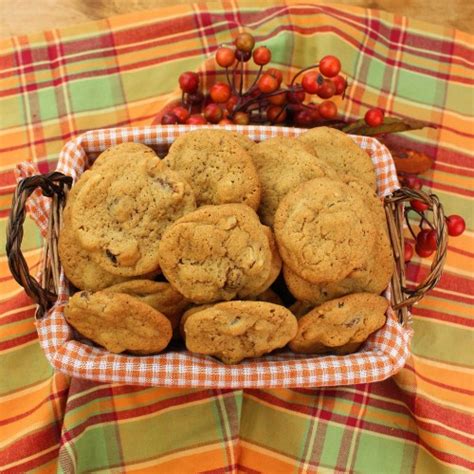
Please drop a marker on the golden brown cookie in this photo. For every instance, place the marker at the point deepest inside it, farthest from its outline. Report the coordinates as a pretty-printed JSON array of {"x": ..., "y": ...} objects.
[
  {"x": 219, "y": 170},
  {"x": 269, "y": 296},
  {"x": 338, "y": 150},
  {"x": 283, "y": 164},
  {"x": 160, "y": 295},
  {"x": 373, "y": 275},
  {"x": 323, "y": 230},
  {"x": 122, "y": 210},
  {"x": 340, "y": 325},
  {"x": 300, "y": 308},
  {"x": 118, "y": 322},
  {"x": 217, "y": 253},
  {"x": 236, "y": 330},
  {"x": 79, "y": 267}
]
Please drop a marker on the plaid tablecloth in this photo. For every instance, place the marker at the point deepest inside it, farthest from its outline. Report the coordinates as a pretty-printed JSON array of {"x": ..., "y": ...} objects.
[{"x": 119, "y": 72}]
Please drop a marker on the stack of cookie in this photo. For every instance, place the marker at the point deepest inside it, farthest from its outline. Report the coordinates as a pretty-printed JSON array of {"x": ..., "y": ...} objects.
[{"x": 216, "y": 222}]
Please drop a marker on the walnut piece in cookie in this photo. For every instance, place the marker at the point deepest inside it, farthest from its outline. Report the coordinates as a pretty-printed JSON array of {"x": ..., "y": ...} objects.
[
  {"x": 217, "y": 253},
  {"x": 236, "y": 330},
  {"x": 341, "y": 325}
]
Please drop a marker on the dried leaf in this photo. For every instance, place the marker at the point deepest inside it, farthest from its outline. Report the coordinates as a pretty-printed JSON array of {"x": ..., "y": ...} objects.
[
  {"x": 389, "y": 125},
  {"x": 411, "y": 161}
]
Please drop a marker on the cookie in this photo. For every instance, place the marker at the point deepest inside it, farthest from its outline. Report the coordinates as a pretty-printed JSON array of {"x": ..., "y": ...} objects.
[
  {"x": 373, "y": 275},
  {"x": 118, "y": 322},
  {"x": 161, "y": 296},
  {"x": 300, "y": 308},
  {"x": 122, "y": 210},
  {"x": 283, "y": 164},
  {"x": 323, "y": 230},
  {"x": 188, "y": 313},
  {"x": 219, "y": 170},
  {"x": 338, "y": 150},
  {"x": 340, "y": 325},
  {"x": 268, "y": 296},
  {"x": 79, "y": 267},
  {"x": 275, "y": 264},
  {"x": 217, "y": 253},
  {"x": 236, "y": 330},
  {"x": 117, "y": 152}
]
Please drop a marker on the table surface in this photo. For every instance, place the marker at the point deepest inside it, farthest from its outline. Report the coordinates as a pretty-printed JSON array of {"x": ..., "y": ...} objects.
[{"x": 24, "y": 16}]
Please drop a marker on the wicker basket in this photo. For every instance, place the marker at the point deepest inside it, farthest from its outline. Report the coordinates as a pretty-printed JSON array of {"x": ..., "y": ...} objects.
[{"x": 50, "y": 293}]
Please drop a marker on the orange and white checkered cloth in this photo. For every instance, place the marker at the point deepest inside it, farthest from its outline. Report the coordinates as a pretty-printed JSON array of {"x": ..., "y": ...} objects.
[{"x": 383, "y": 354}]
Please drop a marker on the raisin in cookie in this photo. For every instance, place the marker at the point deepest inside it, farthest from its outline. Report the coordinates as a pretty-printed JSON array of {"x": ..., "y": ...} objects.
[
  {"x": 236, "y": 330},
  {"x": 219, "y": 170},
  {"x": 118, "y": 322},
  {"x": 340, "y": 325},
  {"x": 282, "y": 165},
  {"x": 122, "y": 210},
  {"x": 338, "y": 150},
  {"x": 217, "y": 253},
  {"x": 323, "y": 230},
  {"x": 160, "y": 295}
]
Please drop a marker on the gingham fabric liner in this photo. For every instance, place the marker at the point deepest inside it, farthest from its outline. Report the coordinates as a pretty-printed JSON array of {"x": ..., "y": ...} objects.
[{"x": 384, "y": 353}]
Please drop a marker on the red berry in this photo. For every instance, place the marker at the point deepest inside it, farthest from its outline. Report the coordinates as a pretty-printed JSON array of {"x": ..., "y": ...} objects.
[
  {"x": 276, "y": 114},
  {"x": 374, "y": 117},
  {"x": 303, "y": 118},
  {"x": 212, "y": 113},
  {"x": 196, "y": 119},
  {"x": 423, "y": 252},
  {"x": 276, "y": 73},
  {"x": 195, "y": 98},
  {"x": 220, "y": 92},
  {"x": 411, "y": 181},
  {"x": 422, "y": 239},
  {"x": 313, "y": 109},
  {"x": 231, "y": 103},
  {"x": 327, "y": 89},
  {"x": 262, "y": 55},
  {"x": 456, "y": 225},
  {"x": 327, "y": 109},
  {"x": 242, "y": 56},
  {"x": 181, "y": 113},
  {"x": 267, "y": 84},
  {"x": 189, "y": 82},
  {"x": 225, "y": 56},
  {"x": 418, "y": 205},
  {"x": 296, "y": 95},
  {"x": 431, "y": 241},
  {"x": 169, "y": 118},
  {"x": 277, "y": 99},
  {"x": 340, "y": 84},
  {"x": 310, "y": 82},
  {"x": 226, "y": 121},
  {"x": 330, "y": 66},
  {"x": 241, "y": 118},
  {"x": 244, "y": 42},
  {"x": 408, "y": 252}
]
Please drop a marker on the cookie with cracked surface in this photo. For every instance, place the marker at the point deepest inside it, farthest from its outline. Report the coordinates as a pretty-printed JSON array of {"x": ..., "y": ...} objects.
[
  {"x": 159, "y": 295},
  {"x": 340, "y": 325},
  {"x": 338, "y": 150},
  {"x": 122, "y": 210},
  {"x": 283, "y": 164},
  {"x": 373, "y": 275},
  {"x": 219, "y": 170},
  {"x": 217, "y": 253},
  {"x": 118, "y": 322},
  {"x": 236, "y": 330},
  {"x": 79, "y": 267},
  {"x": 323, "y": 230}
]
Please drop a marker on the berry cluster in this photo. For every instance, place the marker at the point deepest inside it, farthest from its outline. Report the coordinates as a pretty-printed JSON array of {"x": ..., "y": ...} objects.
[
  {"x": 266, "y": 100},
  {"x": 426, "y": 241}
]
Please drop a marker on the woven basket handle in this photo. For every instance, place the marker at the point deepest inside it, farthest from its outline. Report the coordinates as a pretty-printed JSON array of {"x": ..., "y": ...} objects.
[
  {"x": 403, "y": 297},
  {"x": 53, "y": 185}
]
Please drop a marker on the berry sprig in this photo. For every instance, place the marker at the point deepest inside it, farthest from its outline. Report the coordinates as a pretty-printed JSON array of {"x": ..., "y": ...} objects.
[
  {"x": 426, "y": 239},
  {"x": 266, "y": 100}
]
